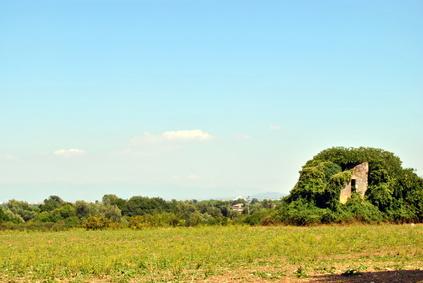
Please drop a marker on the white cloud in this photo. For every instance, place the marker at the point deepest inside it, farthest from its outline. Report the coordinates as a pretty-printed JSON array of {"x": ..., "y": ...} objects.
[
  {"x": 275, "y": 127},
  {"x": 70, "y": 152},
  {"x": 8, "y": 157},
  {"x": 241, "y": 136},
  {"x": 187, "y": 135},
  {"x": 171, "y": 136}
]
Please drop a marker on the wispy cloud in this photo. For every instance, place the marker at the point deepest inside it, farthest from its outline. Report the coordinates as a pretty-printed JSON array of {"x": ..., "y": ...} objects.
[
  {"x": 275, "y": 127},
  {"x": 187, "y": 135},
  {"x": 70, "y": 152},
  {"x": 8, "y": 157},
  {"x": 173, "y": 136},
  {"x": 242, "y": 136}
]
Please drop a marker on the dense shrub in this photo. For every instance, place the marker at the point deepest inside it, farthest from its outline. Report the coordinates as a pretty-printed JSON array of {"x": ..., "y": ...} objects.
[
  {"x": 144, "y": 205},
  {"x": 300, "y": 212},
  {"x": 96, "y": 223},
  {"x": 320, "y": 183},
  {"x": 6, "y": 215},
  {"x": 23, "y": 209},
  {"x": 362, "y": 210},
  {"x": 394, "y": 194},
  {"x": 259, "y": 217}
]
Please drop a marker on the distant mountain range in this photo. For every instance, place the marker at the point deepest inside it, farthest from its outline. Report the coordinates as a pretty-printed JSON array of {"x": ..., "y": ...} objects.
[
  {"x": 262, "y": 196},
  {"x": 268, "y": 195}
]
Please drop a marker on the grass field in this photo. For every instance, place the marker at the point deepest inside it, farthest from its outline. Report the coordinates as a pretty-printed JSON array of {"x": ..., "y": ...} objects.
[{"x": 215, "y": 254}]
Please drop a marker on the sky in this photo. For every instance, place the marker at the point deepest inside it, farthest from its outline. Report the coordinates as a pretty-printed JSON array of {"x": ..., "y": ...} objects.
[{"x": 200, "y": 99}]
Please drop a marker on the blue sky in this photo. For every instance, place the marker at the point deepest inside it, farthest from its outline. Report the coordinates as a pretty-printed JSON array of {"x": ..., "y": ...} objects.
[{"x": 200, "y": 99}]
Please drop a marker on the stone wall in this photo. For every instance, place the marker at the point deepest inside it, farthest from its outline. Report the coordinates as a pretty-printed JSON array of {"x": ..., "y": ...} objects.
[{"x": 360, "y": 175}]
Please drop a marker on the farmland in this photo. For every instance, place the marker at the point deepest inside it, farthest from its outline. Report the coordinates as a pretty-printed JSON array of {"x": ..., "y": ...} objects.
[{"x": 213, "y": 254}]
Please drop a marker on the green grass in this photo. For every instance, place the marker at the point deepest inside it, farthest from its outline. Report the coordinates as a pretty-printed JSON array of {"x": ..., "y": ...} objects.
[{"x": 207, "y": 253}]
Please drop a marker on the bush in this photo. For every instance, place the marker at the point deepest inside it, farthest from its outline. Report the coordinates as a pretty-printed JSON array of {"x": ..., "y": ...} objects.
[
  {"x": 96, "y": 223},
  {"x": 301, "y": 213},
  {"x": 320, "y": 183},
  {"x": 258, "y": 217},
  {"x": 6, "y": 215},
  {"x": 363, "y": 210}
]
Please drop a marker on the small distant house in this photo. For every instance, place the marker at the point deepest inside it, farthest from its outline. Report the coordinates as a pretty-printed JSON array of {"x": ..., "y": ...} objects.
[
  {"x": 238, "y": 207},
  {"x": 358, "y": 182}
]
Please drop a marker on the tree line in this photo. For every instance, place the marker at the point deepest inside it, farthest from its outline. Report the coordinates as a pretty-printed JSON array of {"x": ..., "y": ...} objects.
[
  {"x": 394, "y": 194},
  {"x": 136, "y": 212}
]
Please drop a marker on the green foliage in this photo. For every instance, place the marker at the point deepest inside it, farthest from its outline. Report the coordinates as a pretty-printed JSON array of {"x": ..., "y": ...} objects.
[
  {"x": 111, "y": 212},
  {"x": 83, "y": 209},
  {"x": 60, "y": 213},
  {"x": 114, "y": 201},
  {"x": 362, "y": 210},
  {"x": 96, "y": 223},
  {"x": 394, "y": 194},
  {"x": 258, "y": 217},
  {"x": 319, "y": 183},
  {"x": 301, "y": 272},
  {"x": 336, "y": 183},
  {"x": 401, "y": 212},
  {"x": 137, "y": 213},
  {"x": 51, "y": 203},
  {"x": 144, "y": 205},
  {"x": 381, "y": 196},
  {"x": 6, "y": 215},
  {"x": 347, "y": 158},
  {"x": 301, "y": 212},
  {"x": 23, "y": 209}
]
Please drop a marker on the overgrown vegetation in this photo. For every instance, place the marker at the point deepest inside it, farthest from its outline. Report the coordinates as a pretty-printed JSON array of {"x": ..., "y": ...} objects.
[{"x": 394, "y": 194}]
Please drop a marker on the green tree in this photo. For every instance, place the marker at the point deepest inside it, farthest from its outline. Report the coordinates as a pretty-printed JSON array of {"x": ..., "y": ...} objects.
[
  {"x": 51, "y": 203},
  {"x": 6, "y": 215},
  {"x": 23, "y": 209},
  {"x": 394, "y": 191}
]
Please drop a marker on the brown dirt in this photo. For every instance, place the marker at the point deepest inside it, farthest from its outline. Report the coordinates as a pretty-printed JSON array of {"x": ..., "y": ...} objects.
[{"x": 399, "y": 276}]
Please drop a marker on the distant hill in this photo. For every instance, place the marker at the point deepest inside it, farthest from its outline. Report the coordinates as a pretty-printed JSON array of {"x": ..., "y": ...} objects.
[{"x": 268, "y": 195}]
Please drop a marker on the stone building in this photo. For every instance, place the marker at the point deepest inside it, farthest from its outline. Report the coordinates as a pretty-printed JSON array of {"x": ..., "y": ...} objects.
[
  {"x": 358, "y": 182},
  {"x": 239, "y": 207}
]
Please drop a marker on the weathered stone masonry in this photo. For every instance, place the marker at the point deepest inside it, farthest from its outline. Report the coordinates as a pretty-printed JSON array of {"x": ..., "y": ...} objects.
[{"x": 358, "y": 182}]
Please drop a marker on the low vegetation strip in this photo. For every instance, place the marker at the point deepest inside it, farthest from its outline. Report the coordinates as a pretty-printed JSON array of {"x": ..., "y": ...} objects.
[
  {"x": 212, "y": 253},
  {"x": 338, "y": 185}
]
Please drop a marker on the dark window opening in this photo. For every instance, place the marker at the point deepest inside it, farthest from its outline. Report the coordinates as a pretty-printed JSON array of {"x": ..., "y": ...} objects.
[{"x": 353, "y": 185}]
